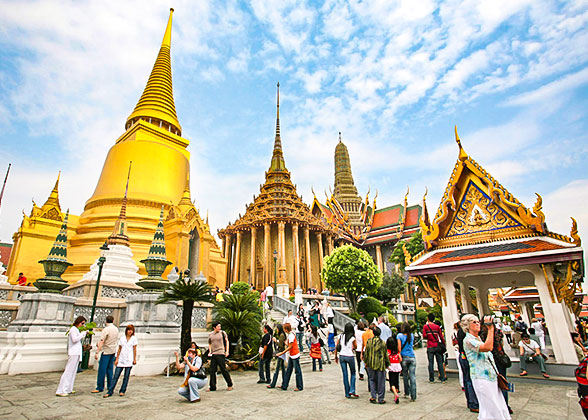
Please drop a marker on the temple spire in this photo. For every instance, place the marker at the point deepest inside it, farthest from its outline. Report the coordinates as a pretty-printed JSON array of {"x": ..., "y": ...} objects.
[
  {"x": 53, "y": 199},
  {"x": 119, "y": 232},
  {"x": 278, "y": 163},
  {"x": 156, "y": 104}
]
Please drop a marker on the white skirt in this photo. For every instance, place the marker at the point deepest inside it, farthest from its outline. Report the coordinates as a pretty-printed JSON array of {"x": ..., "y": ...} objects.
[{"x": 492, "y": 404}]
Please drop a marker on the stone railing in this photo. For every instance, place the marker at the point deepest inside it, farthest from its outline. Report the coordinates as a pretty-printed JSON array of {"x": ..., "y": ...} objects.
[
  {"x": 283, "y": 305},
  {"x": 342, "y": 319}
]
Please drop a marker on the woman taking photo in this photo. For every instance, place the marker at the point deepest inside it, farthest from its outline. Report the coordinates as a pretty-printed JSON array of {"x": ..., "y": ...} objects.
[
  {"x": 74, "y": 355},
  {"x": 126, "y": 357},
  {"x": 348, "y": 344},
  {"x": 194, "y": 375},
  {"x": 483, "y": 369}
]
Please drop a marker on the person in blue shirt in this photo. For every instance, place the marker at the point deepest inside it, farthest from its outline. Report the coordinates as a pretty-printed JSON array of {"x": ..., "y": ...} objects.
[{"x": 405, "y": 340}]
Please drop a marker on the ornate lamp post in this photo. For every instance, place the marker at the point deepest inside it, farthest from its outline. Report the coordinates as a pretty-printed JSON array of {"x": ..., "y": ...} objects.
[
  {"x": 88, "y": 340},
  {"x": 275, "y": 270}
]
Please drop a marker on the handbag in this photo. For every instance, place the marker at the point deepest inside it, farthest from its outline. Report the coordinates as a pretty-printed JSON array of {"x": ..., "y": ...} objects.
[
  {"x": 502, "y": 381},
  {"x": 338, "y": 346},
  {"x": 441, "y": 347}
]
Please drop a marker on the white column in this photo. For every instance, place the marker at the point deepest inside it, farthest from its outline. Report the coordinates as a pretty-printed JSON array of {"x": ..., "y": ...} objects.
[
  {"x": 466, "y": 300},
  {"x": 557, "y": 318},
  {"x": 479, "y": 301},
  {"x": 449, "y": 309}
]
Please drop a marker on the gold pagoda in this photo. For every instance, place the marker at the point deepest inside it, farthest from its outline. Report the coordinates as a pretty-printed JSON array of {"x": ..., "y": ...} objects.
[
  {"x": 161, "y": 177},
  {"x": 277, "y": 224}
]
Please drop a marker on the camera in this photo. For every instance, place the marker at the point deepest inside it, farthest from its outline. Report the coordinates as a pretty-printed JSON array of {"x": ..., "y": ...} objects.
[{"x": 488, "y": 322}]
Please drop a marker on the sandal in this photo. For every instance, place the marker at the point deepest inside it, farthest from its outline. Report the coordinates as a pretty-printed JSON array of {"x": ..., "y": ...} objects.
[
  {"x": 545, "y": 375},
  {"x": 523, "y": 373}
]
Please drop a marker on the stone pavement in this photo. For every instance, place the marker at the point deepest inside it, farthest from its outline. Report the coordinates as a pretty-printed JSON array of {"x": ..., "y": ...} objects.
[{"x": 33, "y": 397}]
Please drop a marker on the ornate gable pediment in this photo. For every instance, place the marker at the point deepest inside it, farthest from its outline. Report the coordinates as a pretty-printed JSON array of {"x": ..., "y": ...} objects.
[
  {"x": 476, "y": 208},
  {"x": 478, "y": 213}
]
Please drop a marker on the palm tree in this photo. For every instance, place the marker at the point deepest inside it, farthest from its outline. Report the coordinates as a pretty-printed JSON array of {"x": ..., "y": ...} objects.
[{"x": 188, "y": 291}]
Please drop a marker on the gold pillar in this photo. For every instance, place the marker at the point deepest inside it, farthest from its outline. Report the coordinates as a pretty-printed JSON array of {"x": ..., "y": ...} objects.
[
  {"x": 379, "y": 257},
  {"x": 330, "y": 244},
  {"x": 267, "y": 265},
  {"x": 252, "y": 269},
  {"x": 296, "y": 255},
  {"x": 308, "y": 270},
  {"x": 281, "y": 251},
  {"x": 319, "y": 237},
  {"x": 228, "y": 257},
  {"x": 237, "y": 257},
  {"x": 224, "y": 248}
]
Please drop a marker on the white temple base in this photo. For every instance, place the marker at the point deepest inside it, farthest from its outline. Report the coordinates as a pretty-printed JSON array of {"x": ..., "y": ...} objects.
[
  {"x": 31, "y": 352},
  {"x": 119, "y": 266}
]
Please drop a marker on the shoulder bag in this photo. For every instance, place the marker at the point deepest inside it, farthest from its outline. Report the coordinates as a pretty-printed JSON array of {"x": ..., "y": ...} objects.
[
  {"x": 441, "y": 347},
  {"x": 502, "y": 381}
]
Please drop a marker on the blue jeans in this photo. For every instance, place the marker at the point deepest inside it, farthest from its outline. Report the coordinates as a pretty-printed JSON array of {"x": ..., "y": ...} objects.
[
  {"x": 293, "y": 364},
  {"x": 264, "y": 370},
  {"x": 348, "y": 362},
  {"x": 470, "y": 394},
  {"x": 300, "y": 340},
  {"x": 191, "y": 392},
  {"x": 117, "y": 373},
  {"x": 105, "y": 367},
  {"x": 409, "y": 376},
  {"x": 279, "y": 367},
  {"x": 320, "y": 363}
]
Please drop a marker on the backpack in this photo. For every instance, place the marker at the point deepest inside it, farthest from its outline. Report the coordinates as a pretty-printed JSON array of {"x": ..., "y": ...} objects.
[{"x": 581, "y": 379}]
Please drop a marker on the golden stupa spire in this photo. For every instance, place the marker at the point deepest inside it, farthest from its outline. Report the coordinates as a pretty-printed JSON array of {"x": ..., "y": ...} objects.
[
  {"x": 278, "y": 163},
  {"x": 462, "y": 154},
  {"x": 119, "y": 232},
  {"x": 186, "y": 199},
  {"x": 156, "y": 104},
  {"x": 53, "y": 199}
]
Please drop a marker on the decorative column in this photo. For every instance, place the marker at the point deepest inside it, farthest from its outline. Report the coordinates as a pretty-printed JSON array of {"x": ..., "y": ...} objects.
[
  {"x": 296, "y": 255},
  {"x": 330, "y": 244},
  {"x": 281, "y": 252},
  {"x": 229, "y": 260},
  {"x": 224, "y": 248},
  {"x": 308, "y": 269},
  {"x": 379, "y": 257},
  {"x": 237, "y": 257},
  {"x": 319, "y": 238},
  {"x": 267, "y": 258},
  {"x": 557, "y": 317},
  {"x": 466, "y": 300},
  {"x": 449, "y": 309},
  {"x": 252, "y": 270}
]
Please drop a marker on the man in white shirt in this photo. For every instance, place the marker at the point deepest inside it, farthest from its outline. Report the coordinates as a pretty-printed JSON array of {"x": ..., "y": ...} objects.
[
  {"x": 530, "y": 351},
  {"x": 291, "y": 319},
  {"x": 385, "y": 331},
  {"x": 269, "y": 294},
  {"x": 108, "y": 346},
  {"x": 537, "y": 325}
]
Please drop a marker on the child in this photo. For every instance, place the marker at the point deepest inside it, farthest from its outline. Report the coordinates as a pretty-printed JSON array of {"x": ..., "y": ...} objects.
[
  {"x": 316, "y": 344},
  {"x": 395, "y": 368}
]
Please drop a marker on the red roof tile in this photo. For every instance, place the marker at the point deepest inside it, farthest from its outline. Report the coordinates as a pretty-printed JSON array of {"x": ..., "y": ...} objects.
[
  {"x": 385, "y": 217},
  {"x": 5, "y": 250}
]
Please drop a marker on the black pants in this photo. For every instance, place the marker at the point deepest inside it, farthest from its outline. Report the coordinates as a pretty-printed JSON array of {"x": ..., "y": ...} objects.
[
  {"x": 394, "y": 378},
  {"x": 358, "y": 358},
  {"x": 218, "y": 361}
]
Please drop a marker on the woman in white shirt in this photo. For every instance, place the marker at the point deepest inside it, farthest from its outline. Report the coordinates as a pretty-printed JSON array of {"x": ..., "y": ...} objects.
[
  {"x": 348, "y": 345},
  {"x": 74, "y": 354},
  {"x": 126, "y": 357},
  {"x": 359, "y": 330}
]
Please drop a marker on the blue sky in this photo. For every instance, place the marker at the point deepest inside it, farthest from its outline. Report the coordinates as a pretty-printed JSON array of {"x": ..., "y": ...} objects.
[{"x": 393, "y": 76}]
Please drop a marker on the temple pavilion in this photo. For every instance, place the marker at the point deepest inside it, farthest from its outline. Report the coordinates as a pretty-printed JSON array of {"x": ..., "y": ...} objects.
[
  {"x": 483, "y": 238},
  {"x": 278, "y": 240},
  {"x": 153, "y": 142}
]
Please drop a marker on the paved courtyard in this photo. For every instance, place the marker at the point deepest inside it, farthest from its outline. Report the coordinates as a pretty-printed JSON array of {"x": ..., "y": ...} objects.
[{"x": 33, "y": 397}]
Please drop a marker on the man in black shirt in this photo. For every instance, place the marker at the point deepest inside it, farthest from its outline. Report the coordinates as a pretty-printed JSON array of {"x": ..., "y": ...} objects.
[
  {"x": 266, "y": 352},
  {"x": 470, "y": 394},
  {"x": 519, "y": 328}
]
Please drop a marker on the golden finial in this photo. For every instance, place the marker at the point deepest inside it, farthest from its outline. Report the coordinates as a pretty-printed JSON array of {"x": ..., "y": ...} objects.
[
  {"x": 574, "y": 233},
  {"x": 406, "y": 195},
  {"x": 167, "y": 36},
  {"x": 462, "y": 154},
  {"x": 312, "y": 189},
  {"x": 425, "y": 196},
  {"x": 340, "y": 137}
]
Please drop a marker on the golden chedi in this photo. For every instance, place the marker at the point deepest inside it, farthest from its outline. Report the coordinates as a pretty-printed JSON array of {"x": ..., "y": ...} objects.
[{"x": 160, "y": 177}]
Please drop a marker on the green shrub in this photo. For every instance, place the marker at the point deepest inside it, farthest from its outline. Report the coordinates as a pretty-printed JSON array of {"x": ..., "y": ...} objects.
[
  {"x": 355, "y": 316},
  {"x": 370, "y": 317},
  {"x": 391, "y": 320},
  {"x": 370, "y": 304},
  {"x": 240, "y": 288}
]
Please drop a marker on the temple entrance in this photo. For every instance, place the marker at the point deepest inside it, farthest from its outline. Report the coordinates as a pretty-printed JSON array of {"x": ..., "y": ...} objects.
[{"x": 194, "y": 254}]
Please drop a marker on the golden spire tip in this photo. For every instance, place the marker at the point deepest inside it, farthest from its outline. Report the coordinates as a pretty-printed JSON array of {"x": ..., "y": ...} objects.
[{"x": 462, "y": 154}]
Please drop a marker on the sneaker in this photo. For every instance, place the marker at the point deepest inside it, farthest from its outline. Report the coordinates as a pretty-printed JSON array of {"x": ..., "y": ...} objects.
[
  {"x": 396, "y": 399},
  {"x": 196, "y": 400},
  {"x": 261, "y": 382},
  {"x": 382, "y": 402},
  {"x": 62, "y": 395},
  {"x": 354, "y": 396}
]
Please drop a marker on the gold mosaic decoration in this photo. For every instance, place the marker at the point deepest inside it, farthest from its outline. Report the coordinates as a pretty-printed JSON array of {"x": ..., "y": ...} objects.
[{"x": 478, "y": 214}]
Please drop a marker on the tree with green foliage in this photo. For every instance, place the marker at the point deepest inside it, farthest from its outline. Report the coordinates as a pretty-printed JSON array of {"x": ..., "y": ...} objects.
[
  {"x": 414, "y": 246},
  {"x": 188, "y": 291},
  {"x": 240, "y": 288},
  {"x": 392, "y": 287},
  {"x": 351, "y": 271},
  {"x": 240, "y": 317}
]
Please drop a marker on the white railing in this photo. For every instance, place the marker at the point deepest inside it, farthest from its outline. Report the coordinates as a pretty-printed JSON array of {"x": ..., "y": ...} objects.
[{"x": 282, "y": 305}]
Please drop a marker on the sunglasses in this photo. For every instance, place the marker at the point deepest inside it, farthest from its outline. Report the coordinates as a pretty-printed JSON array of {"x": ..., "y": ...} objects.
[{"x": 475, "y": 322}]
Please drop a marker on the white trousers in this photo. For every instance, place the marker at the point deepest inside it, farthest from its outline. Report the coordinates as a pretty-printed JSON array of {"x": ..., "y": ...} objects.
[
  {"x": 541, "y": 341},
  {"x": 69, "y": 375},
  {"x": 492, "y": 404}
]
